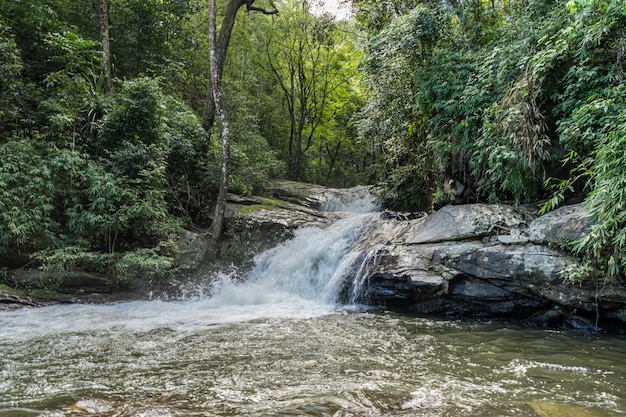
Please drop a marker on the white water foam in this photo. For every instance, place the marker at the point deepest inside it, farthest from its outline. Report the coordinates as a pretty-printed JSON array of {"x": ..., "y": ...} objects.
[{"x": 308, "y": 270}]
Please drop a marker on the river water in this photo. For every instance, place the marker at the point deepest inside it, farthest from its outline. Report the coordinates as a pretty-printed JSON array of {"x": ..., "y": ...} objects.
[{"x": 278, "y": 343}]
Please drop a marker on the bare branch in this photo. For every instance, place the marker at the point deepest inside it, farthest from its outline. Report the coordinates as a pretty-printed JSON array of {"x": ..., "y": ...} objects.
[{"x": 252, "y": 8}]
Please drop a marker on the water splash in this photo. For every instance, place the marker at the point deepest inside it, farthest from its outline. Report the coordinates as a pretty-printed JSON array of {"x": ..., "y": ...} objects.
[{"x": 312, "y": 267}]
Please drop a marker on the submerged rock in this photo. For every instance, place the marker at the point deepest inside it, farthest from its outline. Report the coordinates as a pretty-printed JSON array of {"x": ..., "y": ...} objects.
[{"x": 548, "y": 409}]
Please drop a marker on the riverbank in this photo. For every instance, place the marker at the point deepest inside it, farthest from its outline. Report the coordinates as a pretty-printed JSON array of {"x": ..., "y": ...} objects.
[{"x": 473, "y": 262}]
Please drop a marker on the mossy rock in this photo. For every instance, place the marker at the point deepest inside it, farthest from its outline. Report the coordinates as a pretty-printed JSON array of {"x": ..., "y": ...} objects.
[{"x": 13, "y": 298}]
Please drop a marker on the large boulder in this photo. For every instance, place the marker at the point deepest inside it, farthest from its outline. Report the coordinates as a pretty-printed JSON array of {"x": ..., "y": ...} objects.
[
  {"x": 561, "y": 226},
  {"x": 486, "y": 261},
  {"x": 466, "y": 221}
]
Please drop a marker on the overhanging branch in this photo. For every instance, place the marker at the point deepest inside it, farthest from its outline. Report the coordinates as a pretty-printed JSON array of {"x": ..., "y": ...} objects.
[{"x": 251, "y": 8}]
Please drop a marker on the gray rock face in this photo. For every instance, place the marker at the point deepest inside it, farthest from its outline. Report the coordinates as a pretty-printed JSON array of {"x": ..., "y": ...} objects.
[
  {"x": 293, "y": 205},
  {"x": 561, "y": 226},
  {"x": 192, "y": 249},
  {"x": 462, "y": 222},
  {"x": 485, "y": 261},
  {"x": 296, "y": 204}
]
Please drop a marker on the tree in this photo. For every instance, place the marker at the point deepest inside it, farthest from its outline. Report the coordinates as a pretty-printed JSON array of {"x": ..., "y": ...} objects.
[
  {"x": 220, "y": 205},
  {"x": 314, "y": 67},
  {"x": 221, "y": 48},
  {"x": 103, "y": 18}
]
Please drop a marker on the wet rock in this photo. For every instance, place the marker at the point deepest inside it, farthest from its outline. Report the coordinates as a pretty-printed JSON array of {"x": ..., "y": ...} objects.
[
  {"x": 550, "y": 318},
  {"x": 59, "y": 282},
  {"x": 268, "y": 213},
  {"x": 548, "y": 409},
  {"x": 10, "y": 298},
  {"x": 302, "y": 194}
]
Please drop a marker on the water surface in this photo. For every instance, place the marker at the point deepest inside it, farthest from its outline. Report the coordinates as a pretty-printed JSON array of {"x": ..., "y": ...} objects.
[{"x": 155, "y": 358}]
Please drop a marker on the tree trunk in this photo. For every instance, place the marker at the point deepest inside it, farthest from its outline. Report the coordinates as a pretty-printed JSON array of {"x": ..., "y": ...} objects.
[
  {"x": 220, "y": 206},
  {"x": 103, "y": 17},
  {"x": 221, "y": 48}
]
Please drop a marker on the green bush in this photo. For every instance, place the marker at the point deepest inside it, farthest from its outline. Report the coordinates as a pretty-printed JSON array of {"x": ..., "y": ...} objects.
[
  {"x": 606, "y": 243},
  {"x": 28, "y": 187}
]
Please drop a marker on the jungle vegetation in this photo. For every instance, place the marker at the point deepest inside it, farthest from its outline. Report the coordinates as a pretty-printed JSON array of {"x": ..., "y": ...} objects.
[{"x": 108, "y": 147}]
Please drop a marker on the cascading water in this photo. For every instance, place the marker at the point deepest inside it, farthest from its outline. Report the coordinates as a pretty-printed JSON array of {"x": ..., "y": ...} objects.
[{"x": 310, "y": 269}]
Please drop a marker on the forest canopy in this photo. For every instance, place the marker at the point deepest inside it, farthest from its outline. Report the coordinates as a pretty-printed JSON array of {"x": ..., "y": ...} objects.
[{"x": 104, "y": 154}]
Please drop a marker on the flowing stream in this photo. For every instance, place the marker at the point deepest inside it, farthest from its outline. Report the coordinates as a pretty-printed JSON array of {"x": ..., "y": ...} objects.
[{"x": 279, "y": 343}]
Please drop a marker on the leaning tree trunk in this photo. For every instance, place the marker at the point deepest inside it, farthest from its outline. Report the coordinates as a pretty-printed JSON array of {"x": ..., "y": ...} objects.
[
  {"x": 220, "y": 206},
  {"x": 105, "y": 40}
]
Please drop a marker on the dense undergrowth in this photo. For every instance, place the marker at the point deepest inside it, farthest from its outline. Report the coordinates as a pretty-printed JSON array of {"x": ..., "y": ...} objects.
[{"x": 502, "y": 101}]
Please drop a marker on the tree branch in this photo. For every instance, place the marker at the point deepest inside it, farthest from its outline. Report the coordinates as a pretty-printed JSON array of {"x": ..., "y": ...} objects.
[{"x": 252, "y": 8}]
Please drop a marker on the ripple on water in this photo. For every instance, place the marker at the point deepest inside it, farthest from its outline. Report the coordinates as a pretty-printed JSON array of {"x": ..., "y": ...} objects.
[{"x": 329, "y": 363}]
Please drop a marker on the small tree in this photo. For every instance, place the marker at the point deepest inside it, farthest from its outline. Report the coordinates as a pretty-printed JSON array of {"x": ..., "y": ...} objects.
[
  {"x": 218, "y": 49},
  {"x": 220, "y": 206}
]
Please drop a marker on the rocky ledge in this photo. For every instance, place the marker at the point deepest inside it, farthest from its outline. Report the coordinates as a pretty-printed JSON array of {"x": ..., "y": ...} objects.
[{"x": 489, "y": 261}]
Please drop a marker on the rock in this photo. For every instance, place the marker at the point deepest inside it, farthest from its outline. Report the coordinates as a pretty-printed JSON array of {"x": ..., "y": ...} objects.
[
  {"x": 548, "y": 409},
  {"x": 530, "y": 265},
  {"x": 268, "y": 213},
  {"x": 10, "y": 298},
  {"x": 92, "y": 406},
  {"x": 514, "y": 238},
  {"x": 484, "y": 261},
  {"x": 561, "y": 226},
  {"x": 465, "y": 221},
  {"x": 307, "y": 195},
  {"x": 297, "y": 205},
  {"x": 59, "y": 282},
  {"x": 548, "y": 318},
  {"x": 192, "y": 249}
]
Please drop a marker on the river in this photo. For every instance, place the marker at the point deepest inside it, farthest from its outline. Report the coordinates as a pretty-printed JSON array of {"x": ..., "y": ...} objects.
[{"x": 279, "y": 343}]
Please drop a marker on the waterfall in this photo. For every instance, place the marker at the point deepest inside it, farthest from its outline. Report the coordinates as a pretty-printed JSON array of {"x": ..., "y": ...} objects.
[{"x": 311, "y": 268}]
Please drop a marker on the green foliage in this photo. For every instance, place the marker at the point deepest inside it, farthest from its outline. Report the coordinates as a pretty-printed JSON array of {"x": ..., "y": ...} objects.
[
  {"x": 27, "y": 192},
  {"x": 145, "y": 33},
  {"x": 144, "y": 262},
  {"x": 392, "y": 116},
  {"x": 192, "y": 168},
  {"x": 10, "y": 72},
  {"x": 74, "y": 258},
  {"x": 314, "y": 65},
  {"x": 606, "y": 243},
  {"x": 487, "y": 94},
  {"x": 136, "y": 118}
]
